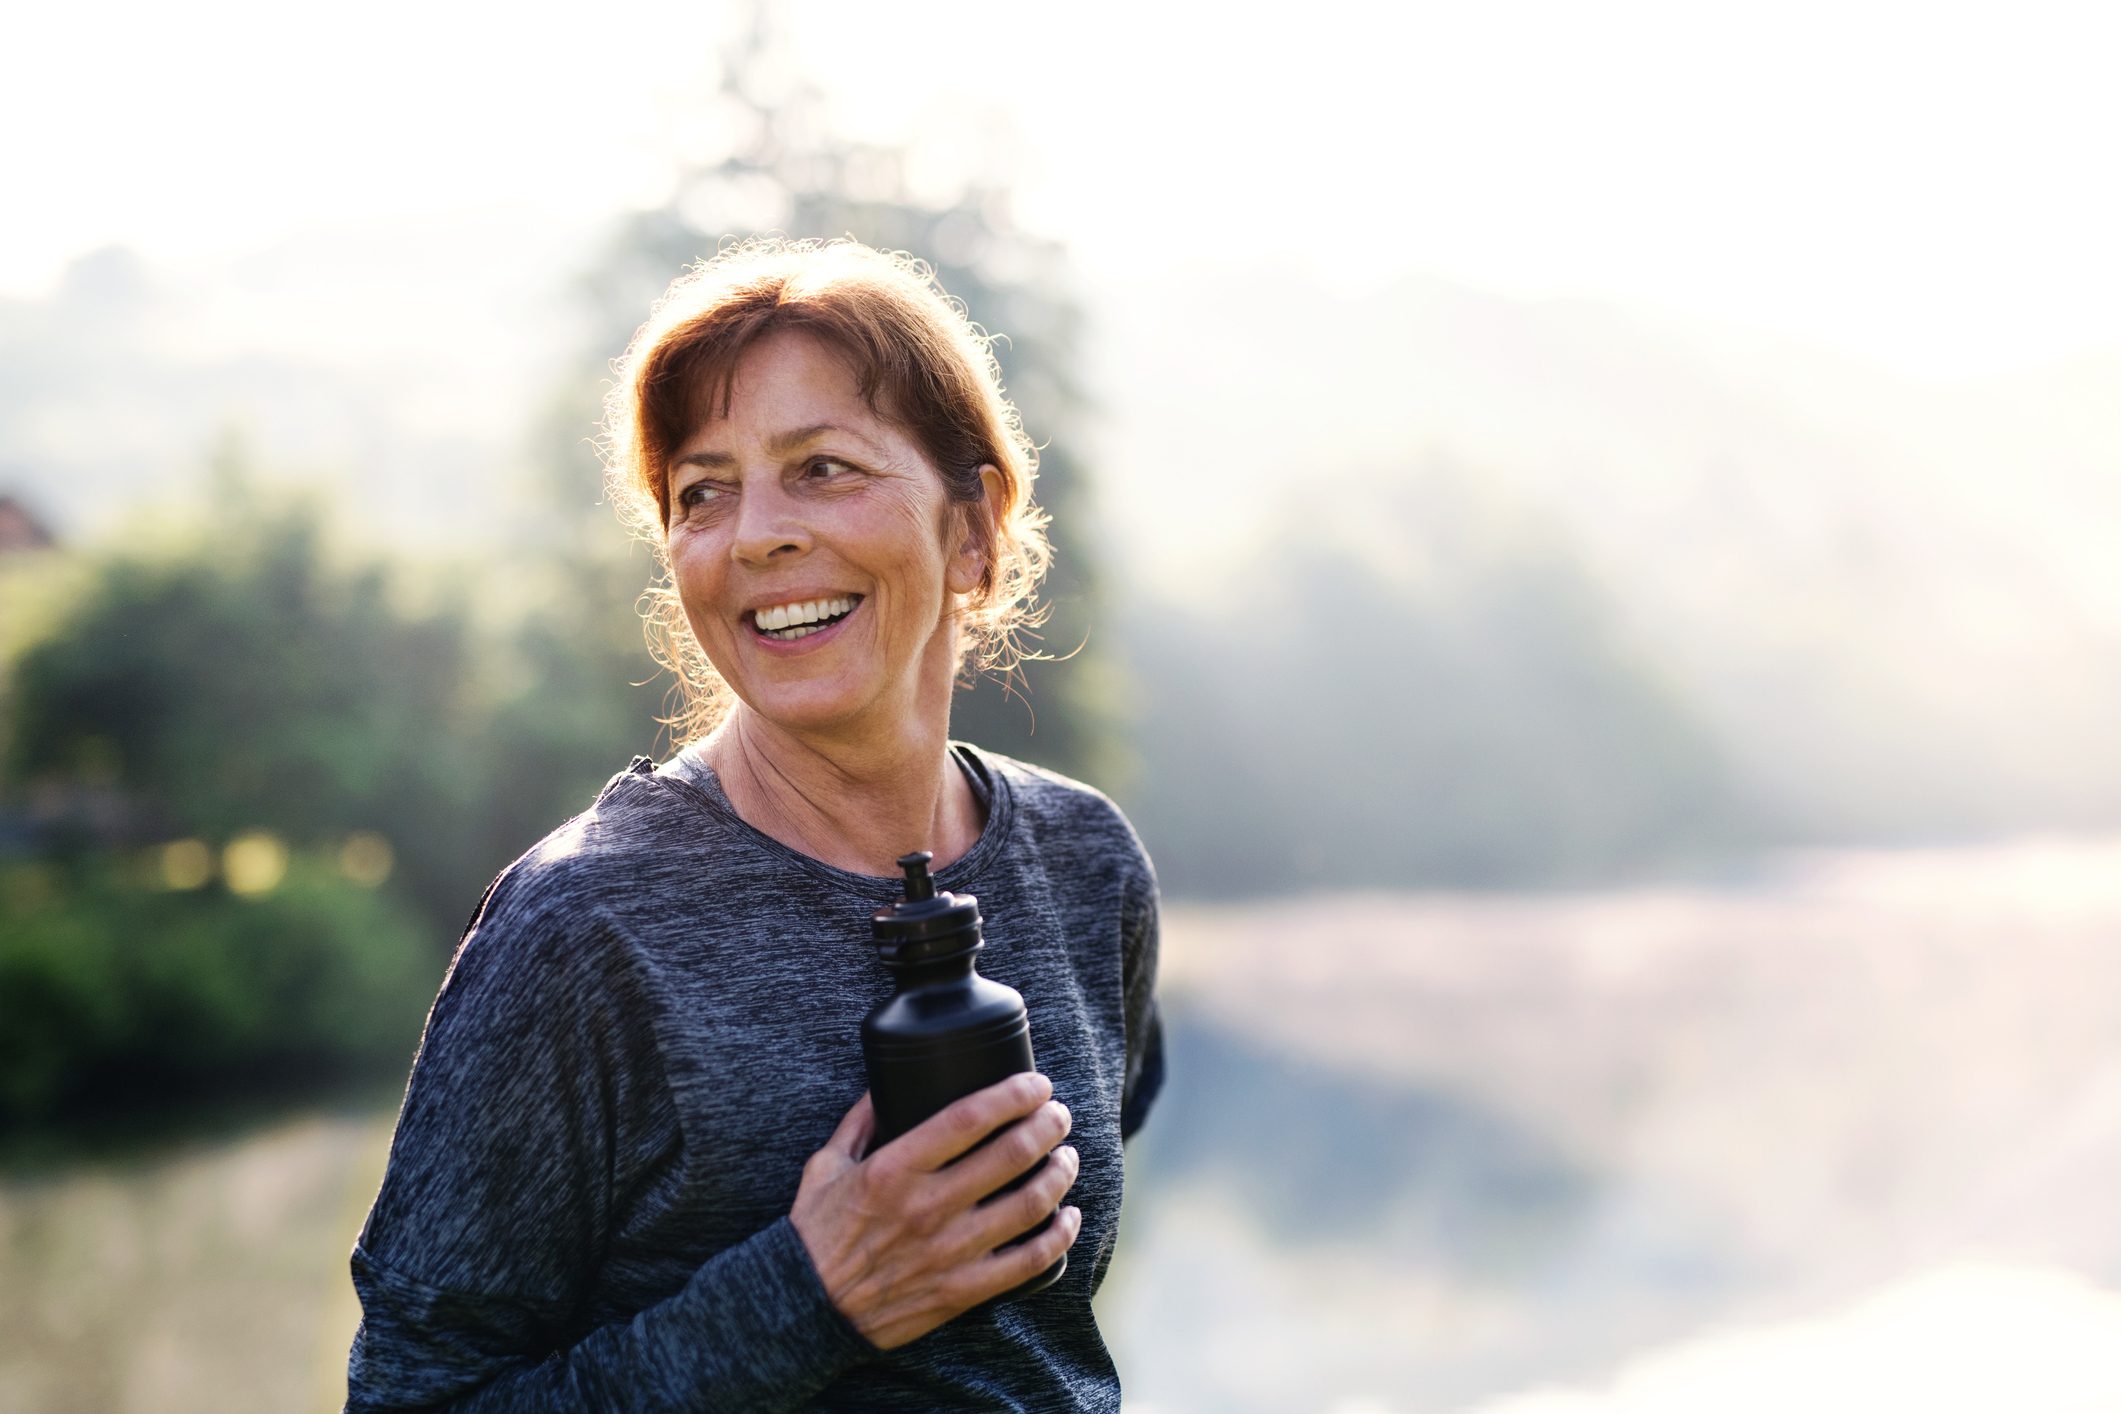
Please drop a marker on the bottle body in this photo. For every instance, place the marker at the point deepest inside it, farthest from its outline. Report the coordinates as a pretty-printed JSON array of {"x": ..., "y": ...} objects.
[{"x": 946, "y": 1032}]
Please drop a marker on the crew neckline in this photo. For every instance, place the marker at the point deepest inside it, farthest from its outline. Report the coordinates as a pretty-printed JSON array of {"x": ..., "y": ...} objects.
[{"x": 700, "y": 785}]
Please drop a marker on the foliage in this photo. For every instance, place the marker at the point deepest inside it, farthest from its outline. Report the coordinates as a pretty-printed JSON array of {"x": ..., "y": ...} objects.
[
  {"x": 234, "y": 680},
  {"x": 237, "y": 681},
  {"x": 116, "y": 994},
  {"x": 223, "y": 682}
]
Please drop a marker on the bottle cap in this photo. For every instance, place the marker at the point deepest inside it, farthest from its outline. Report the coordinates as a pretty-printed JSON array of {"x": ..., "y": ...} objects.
[{"x": 925, "y": 924}]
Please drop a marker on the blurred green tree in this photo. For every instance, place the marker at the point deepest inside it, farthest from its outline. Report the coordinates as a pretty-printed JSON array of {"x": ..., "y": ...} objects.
[
  {"x": 121, "y": 997},
  {"x": 235, "y": 681},
  {"x": 228, "y": 693}
]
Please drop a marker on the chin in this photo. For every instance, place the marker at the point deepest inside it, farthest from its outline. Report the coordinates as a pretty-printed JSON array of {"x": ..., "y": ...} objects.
[{"x": 810, "y": 711}]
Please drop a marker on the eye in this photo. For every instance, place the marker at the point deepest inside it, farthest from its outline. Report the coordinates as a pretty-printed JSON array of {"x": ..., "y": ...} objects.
[
  {"x": 827, "y": 468},
  {"x": 699, "y": 493}
]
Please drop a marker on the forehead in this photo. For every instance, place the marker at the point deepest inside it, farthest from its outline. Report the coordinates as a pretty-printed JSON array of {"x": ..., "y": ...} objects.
[{"x": 781, "y": 382}]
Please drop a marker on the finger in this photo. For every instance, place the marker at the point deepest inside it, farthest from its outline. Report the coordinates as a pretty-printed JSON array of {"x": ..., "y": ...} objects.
[
  {"x": 961, "y": 1125},
  {"x": 1008, "y": 1216},
  {"x": 855, "y": 1128},
  {"x": 1015, "y": 1151},
  {"x": 999, "y": 1271}
]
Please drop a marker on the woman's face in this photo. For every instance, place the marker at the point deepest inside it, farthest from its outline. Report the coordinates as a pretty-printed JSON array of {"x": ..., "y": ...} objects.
[{"x": 815, "y": 550}]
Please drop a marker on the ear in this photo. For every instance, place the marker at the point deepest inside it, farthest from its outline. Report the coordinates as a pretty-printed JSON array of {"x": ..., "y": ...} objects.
[{"x": 979, "y": 529}]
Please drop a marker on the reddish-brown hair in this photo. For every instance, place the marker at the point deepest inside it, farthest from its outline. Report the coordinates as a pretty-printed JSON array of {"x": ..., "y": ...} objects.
[{"x": 919, "y": 362}]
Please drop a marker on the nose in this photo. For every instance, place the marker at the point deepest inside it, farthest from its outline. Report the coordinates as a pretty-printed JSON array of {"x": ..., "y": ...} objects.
[{"x": 769, "y": 525}]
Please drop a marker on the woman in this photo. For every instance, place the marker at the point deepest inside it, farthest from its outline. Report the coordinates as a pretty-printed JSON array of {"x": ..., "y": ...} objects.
[{"x": 632, "y": 1168}]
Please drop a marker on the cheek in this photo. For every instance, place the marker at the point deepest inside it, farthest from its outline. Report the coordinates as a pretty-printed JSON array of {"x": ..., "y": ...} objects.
[
  {"x": 909, "y": 529},
  {"x": 914, "y": 518},
  {"x": 692, "y": 573}
]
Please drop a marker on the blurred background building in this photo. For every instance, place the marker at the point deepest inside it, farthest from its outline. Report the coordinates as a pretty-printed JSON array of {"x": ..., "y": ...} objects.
[{"x": 1586, "y": 545}]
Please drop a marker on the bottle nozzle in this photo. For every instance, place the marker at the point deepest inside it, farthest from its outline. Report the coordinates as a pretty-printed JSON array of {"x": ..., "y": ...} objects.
[
  {"x": 925, "y": 925},
  {"x": 918, "y": 884}
]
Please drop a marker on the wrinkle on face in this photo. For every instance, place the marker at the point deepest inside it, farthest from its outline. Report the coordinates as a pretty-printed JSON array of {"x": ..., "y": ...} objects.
[{"x": 886, "y": 530}]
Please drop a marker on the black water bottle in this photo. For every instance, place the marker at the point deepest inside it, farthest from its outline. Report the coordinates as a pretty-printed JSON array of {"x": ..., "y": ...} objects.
[{"x": 946, "y": 1031}]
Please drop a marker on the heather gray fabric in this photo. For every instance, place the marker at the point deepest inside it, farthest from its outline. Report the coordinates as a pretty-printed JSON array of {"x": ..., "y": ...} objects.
[{"x": 651, "y": 1023}]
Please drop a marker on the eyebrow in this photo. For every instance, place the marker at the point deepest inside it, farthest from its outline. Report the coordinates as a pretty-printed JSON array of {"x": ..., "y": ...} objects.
[{"x": 779, "y": 445}]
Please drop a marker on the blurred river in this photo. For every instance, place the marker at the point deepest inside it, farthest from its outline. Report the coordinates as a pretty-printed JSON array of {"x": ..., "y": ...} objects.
[{"x": 1842, "y": 1132}]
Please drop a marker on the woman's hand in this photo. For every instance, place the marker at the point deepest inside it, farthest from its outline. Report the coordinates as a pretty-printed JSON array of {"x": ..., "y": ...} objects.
[{"x": 902, "y": 1238}]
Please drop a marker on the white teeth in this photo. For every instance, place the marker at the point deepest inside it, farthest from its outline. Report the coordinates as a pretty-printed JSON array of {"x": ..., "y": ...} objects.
[{"x": 800, "y": 620}]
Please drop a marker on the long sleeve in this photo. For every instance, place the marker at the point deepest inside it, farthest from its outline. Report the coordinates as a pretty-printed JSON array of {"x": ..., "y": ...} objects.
[
  {"x": 753, "y": 1330},
  {"x": 536, "y": 1086},
  {"x": 1144, "y": 1018}
]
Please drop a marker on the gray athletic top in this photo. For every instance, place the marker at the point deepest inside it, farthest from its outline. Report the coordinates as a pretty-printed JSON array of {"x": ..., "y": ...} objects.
[{"x": 651, "y": 1023}]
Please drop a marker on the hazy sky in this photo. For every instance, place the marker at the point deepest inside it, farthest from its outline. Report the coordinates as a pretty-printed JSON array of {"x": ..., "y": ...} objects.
[{"x": 1925, "y": 184}]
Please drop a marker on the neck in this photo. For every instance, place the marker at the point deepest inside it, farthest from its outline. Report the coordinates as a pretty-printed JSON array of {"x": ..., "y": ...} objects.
[{"x": 854, "y": 804}]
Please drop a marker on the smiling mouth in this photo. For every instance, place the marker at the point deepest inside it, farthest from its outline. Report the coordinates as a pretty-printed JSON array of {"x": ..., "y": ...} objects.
[{"x": 785, "y": 623}]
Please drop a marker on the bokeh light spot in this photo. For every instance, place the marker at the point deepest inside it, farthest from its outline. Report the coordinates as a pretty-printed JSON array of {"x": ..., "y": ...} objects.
[
  {"x": 186, "y": 864},
  {"x": 254, "y": 863},
  {"x": 366, "y": 858}
]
